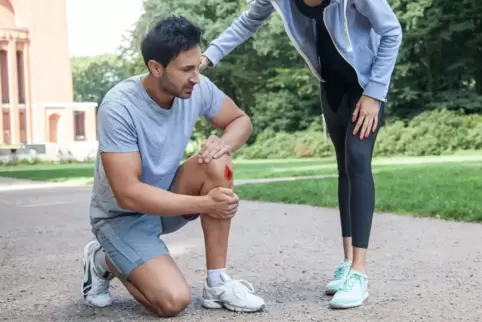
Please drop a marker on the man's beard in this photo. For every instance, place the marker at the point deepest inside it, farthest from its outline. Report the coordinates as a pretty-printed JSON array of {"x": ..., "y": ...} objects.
[{"x": 168, "y": 87}]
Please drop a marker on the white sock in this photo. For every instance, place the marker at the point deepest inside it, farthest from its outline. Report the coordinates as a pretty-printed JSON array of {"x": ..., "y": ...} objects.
[
  {"x": 215, "y": 276},
  {"x": 100, "y": 266}
]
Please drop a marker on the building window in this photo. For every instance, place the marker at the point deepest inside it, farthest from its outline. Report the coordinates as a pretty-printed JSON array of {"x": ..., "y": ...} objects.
[
  {"x": 22, "y": 115},
  {"x": 21, "y": 77},
  {"x": 7, "y": 138},
  {"x": 79, "y": 125},
  {"x": 4, "y": 77}
]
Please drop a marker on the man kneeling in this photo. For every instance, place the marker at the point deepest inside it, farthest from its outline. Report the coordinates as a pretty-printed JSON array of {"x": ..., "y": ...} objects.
[{"x": 140, "y": 191}]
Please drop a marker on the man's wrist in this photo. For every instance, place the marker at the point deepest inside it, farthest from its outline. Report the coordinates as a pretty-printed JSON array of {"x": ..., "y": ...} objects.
[
  {"x": 230, "y": 145},
  {"x": 204, "y": 204}
]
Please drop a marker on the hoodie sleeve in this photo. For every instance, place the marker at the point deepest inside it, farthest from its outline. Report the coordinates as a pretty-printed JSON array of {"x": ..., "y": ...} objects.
[
  {"x": 385, "y": 23},
  {"x": 240, "y": 30}
]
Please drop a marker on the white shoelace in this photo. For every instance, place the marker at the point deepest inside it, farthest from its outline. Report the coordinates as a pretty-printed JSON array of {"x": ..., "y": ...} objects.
[{"x": 241, "y": 288}]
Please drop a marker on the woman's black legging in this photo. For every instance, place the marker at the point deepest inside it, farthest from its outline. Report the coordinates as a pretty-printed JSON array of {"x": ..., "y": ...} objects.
[{"x": 356, "y": 189}]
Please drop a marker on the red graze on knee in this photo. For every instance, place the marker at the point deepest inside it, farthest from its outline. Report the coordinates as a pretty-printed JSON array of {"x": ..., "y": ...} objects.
[{"x": 228, "y": 173}]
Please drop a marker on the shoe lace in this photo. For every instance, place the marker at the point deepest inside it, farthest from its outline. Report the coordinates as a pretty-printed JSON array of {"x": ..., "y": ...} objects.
[
  {"x": 103, "y": 285},
  {"x": 350, "y": 282},
  {"x": 241, "y": 288},
  {"x": 340, "y": 271}
]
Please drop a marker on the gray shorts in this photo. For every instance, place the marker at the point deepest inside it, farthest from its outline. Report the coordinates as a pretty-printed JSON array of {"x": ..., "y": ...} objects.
[{"x": 131, "y": 240}]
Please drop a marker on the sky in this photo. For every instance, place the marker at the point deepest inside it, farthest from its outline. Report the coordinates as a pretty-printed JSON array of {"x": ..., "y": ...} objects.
[{"x": 94, "y": 28}]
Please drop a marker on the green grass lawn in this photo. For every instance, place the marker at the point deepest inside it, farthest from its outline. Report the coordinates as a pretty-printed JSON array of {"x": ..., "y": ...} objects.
[
  {"x": 49, "y": 172},
  {"x": 244, "y": 169},
  {"x": 449, "y": 190}
]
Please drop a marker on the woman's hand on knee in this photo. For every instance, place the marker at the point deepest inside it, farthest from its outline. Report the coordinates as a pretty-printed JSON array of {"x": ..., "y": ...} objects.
[{"x": 366, "y": 115}]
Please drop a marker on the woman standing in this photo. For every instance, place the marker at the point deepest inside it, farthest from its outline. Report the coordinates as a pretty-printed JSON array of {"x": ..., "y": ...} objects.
[{"x": 351, "y": 46}]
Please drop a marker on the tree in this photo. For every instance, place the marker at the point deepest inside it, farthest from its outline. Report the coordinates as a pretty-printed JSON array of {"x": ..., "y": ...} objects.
[{"x": 94, "y": 76}]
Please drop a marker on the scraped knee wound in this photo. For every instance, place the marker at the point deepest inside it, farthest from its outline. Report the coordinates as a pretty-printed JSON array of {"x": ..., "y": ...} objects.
[{"x": 220, "y": 170}]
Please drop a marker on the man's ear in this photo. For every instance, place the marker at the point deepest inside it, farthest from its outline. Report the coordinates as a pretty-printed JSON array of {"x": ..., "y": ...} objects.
[{"x": 155, "y": 68}]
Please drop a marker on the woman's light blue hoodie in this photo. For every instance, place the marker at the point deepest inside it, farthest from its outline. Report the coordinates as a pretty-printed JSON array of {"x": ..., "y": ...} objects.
[{"x": 366, "y": 33}]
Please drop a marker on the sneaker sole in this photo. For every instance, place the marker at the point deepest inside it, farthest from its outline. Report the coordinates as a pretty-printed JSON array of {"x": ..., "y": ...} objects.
[
  {"x": 335, "y": 305},
  {"x": 212, "y": 304}
]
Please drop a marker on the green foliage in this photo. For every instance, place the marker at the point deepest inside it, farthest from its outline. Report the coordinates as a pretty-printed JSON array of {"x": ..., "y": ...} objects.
[
  {"x": 94, "y": 76},
  {"x": 430, "y": 133},
  {"x": 439, "y": 61}
]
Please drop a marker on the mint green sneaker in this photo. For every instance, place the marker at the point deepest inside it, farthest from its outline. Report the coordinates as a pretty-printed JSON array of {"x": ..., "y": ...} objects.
[
  {"x": 339, "y": 277},
  {"x": 353, "y": 293}
]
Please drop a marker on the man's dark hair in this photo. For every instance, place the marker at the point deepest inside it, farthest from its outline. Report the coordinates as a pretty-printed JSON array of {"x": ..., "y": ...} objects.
[{"x": 168, "y": 38}]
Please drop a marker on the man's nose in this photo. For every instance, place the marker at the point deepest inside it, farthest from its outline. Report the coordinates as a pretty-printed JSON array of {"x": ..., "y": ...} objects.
[{"x": 195, "y": 77}]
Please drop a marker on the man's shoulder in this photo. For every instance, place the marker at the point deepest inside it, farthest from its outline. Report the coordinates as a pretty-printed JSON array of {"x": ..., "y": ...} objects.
[
  {"x": 124, "y": 90},
  {"x": 205, "y": 82}
]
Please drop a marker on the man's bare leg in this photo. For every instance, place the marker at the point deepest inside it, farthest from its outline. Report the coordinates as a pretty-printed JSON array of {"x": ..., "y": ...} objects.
[
  {"x": 219, "y": 289},
  {"x": 216, "y": 232},
  {"x": 158, "y": 285}
]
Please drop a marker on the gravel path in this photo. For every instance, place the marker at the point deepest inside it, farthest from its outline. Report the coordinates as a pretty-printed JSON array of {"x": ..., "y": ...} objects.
[{"x": 431, "y": 271}]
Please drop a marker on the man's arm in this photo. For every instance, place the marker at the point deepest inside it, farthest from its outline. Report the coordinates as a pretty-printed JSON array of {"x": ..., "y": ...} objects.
[
  {"x": 123, "y": 171},
  {"x": 239, "y": 31},
  {"x": 223, "y": 113},
  {"x": 234, "y": 123},
  {"x": 121, "y": 161},
  {"x": 386, "y": 24}
]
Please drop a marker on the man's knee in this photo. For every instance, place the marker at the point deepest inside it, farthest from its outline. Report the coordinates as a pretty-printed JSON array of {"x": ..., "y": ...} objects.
[
  {"x": 220, "y": 170},
  {"x": 172, "y": 303}
]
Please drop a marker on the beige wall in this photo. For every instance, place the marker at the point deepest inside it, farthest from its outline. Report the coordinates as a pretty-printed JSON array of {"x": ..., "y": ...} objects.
[
  {"x": 62, "y": 117},
  {"x": 91, "y": 124},
  {"x": 47, "y": 24}
]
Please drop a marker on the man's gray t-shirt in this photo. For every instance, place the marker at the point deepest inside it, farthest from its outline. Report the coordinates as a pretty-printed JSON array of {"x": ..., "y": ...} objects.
[{"x": 128, "y": 120}]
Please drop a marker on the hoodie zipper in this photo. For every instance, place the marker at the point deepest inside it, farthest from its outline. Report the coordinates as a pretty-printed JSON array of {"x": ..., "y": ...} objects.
[{"x": 334, "y": 44}]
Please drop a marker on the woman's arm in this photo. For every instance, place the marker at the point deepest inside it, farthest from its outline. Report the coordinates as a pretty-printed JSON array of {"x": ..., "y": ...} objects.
[
  {"x": 239, "y": 31},
  {"x": 386, "y": 24}
]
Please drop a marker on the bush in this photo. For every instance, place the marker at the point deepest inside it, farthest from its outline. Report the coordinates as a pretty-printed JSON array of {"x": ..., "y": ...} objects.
[{"x": 430, "y": 133}]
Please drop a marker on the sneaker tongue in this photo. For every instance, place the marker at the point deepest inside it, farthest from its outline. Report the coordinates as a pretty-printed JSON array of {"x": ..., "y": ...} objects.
[{"x": 225, "y": 277}]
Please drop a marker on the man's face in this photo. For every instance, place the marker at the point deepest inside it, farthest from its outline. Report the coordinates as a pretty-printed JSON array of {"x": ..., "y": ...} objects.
[{"x": 181, "y": 74}]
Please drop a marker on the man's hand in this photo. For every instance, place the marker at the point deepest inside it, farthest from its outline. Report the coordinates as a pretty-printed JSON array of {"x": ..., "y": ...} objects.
[
  {"x": 223, "y": 203},
  {"x": 213, "y": 148},
  {"x": 366, "y": 111},
  {"x": 205, "y": 62}
]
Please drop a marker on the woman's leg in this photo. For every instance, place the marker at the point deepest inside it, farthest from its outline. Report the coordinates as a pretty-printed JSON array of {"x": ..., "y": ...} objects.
[
  {"x": 362, "y": 204},
  {"x": 359, "y": 155},
  {"x": 336, "y": 112}
]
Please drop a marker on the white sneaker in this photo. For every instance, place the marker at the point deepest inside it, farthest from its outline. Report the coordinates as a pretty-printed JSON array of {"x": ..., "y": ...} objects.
[
  {"x": 339, "y": 278},
  {"x": 234, "y": 295},
  {"x": 94, "y": 288},
  {"x": 353, "y": 293}
]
